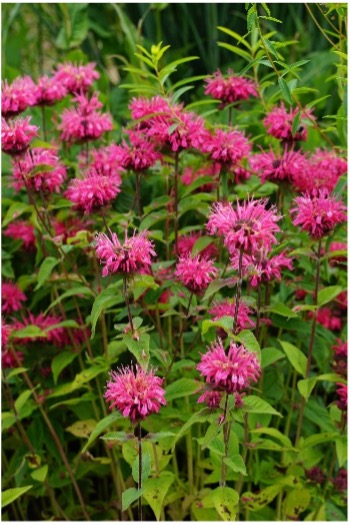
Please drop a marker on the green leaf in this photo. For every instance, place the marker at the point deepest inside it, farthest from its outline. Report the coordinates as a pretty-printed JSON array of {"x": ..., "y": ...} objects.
[
  {"x": 274, "y": 433},
  {"x": 129, "y": 496},
  {"x": 247, "y": 338},
  {"x": 80, "y": 380},
  {"x": 82, "y": 428},
  {"x": 155, "y": 491},
  {"x": 145, "y": 467},
  {"x": 295, "y": 356},
  {"x": 211, "y": 432},
  {"x": 226, "y": 502},
  {"x": 181, "y": 388},
  {"x": 177, "y": 94},
  {"x": 317, "y": 439},
  {"x": 282, "y": 310},
  {"x": 10, "y": 495},
  {"x": 40, "y": 473},
  {"x": 123, "y": 437},
  {"x": 236, "y": 464},
  {"x": 30, "y": 331},
  {"x": 328, "y": 294},
  {"x": 157, "y": 436},
  {"x": 305, "y": 386},
  {"x": 296, "y": 502},
  {"x": 284, "y": 88},
  {"x": 201, "y": 243},
  {"x": 236, "y": 36},
  {"x": 140, "y": 348},
  {"x": 107, "y": 298},
  {"x": 255, "y": 501},
  {"x": 15, "y": 210},
  {"x": 60, "y": 362},
  {"x": 341, "y": 450},
  {"x": 22, "y": 399},
  {"x": 270, "y": 48},
  {"x": 236, "y": 50},
  {"x": 296, "y": 123},
  {"x": 225, "y": 322},
  {"x": 270, "y": 355},
  {"x": 77, "y": 291},
  {"x": 15, "y": 371},
  {"x": 256, "y": 405}
]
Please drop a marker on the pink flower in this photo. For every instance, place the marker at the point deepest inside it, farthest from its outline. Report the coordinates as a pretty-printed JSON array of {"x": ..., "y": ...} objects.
[
  {"x": 191, "y": 175},
  {"x": 233, "y": 372},
  {"x": 315, "y": 474},
  {"x": 211, "y": 398},
  {"x": 230, "y": 88},
  {"x": 135, "y": 393},
  {"x": 248, "y": 228},
  {"x": 324, "y": 169},
  {"x": 17, "y": 97},
  {"x": 318, "y": 213},
  {"x": 106, "y": 161},
  {"x": 76, "y": 78},
  {"x": 340, "y": 357},
  {"x": 84, "y": 122},
  {"x": 187, "y": 242},
  {"x": 49, "y": 90},
  {"x": 68, "y": 228},
  {"x": 23, "y": 230},
  {"x": 16, "y": 135},
  {"x": 8, "y": 359},
  {"x": 11, "y": 298},
  {"x": 342, "y": 393},
  {"x": 327, "y": 318},
  {"x": 260, "y": 268},
  {"x": 227, "y": 307},
  {"x": 279, "y": 123},
  {"x": 93, "y": 191},
  {"x": 140, "y": 155},
  {"x": 57, "y": 336},
  {"x": 134, "y": 256},
  {"x": 340, "y": 481},
  {"x": 150, "y": 109},
  {"x": 285, "y": 167},
  {"x": 42, "y": 170},
  {"x": 195, "y": 273},
  {"x": 226, "y": 147}
]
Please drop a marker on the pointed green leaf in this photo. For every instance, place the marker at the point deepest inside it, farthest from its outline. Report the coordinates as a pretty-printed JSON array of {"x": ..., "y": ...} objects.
[
  {"x": 256, "y": 405},
  {"x": 60, "y": 361},
  {"x": 295, "y": 356},
  {"x": 129, "y": 496},
  {"x": 155, "y": 491},
  {"x": 284, "y": 88},
  {"x": 226, "y": 502},
  {"x": 10, "y": 495}
]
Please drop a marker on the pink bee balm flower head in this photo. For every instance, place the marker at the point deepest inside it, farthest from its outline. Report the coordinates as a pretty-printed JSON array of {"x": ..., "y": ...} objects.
[
  {"x": 195, "y": 273},
  {"x": 140, "y": 155},
  {"x": 76, "y": 78},
  {"x": 149, "y": 110},
  {"x": 340, "y": 357},
  {"x": 133, "y": 256},
  {"x": 324, "y": 170},
  {"x": 221, "y": 309},
  {"x": 260, "y": 268},
  {"x": 187, "y": 242},
  {"x": 327, "y": 318},
  {"x": 49, "y": 90},
  {"x": 84, "y": 122},
  {"x": 342, "y": 393},
  {"x": 16, "y": 135},
  {"x": 226, "y": 147},
  {"x": 248, "y": 228},
  {"x": 57, "y": 336},
  {"x": 279, "y": 123},
  {"x": 211, "y": 398},
  {"x": 23, "y": 230},
  {"x": 93, "y": 191},
  {"x": 230, "y": 88},
  {"x": 17, "y": 97},
  {"x": 231, "y": 373},
  {"x": 318, "y": 213},
  {"x": 340, "y": 481},
  {"x": 106, "y": 161},
  {"x": 285, "y": 167},
  {"x": 11, "y": 298},
  {"x": 41, "y": 169},
  {"x": 135, "y": 393}
]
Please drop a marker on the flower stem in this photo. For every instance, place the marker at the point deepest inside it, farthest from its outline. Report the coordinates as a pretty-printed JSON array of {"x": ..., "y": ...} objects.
[
  {"x": 138, "y": 194},
  {"x": 140, "y": 509},
  {"x": 238, "y": 291},
  {"x": 126, "y": 298},
  {"x": 226, "y": 433},
  {"x": 176, "y": 173}
]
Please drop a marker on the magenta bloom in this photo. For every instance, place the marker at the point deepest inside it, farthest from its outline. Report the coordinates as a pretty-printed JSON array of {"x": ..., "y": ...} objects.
[
  {"x": 84, "y": 122},
  {"x": 231, "y": 373},
  {"x": 248, "y": 228},
  {"x": 16, "y": 135},
  {"x": 49, "y": 90},
  {"x": 57, "y": 336},
  {"x": 340, "y": 357},
  {"x": 136, "y": 394},
  {"x": 211, "y": 398},
  {"x": 230, "y": 88},
  {"x": 195, "y": 273},
  {"x": 11, "y": 298},
  {"x": 342, "y": 393},
  {"x": 323, "y": 171},
  {"x": 226, "y": 147},
  {"x": 285, "y": 167},
  {"x": 318, "y": 213},
  {"x": 76, "y": 78},
  {"x": 17, "y": 97},
  {"x": 227, "y": 307},
  {"x": 106, "y": 161},
  {"x": 140, "y": 155},
  {"x": 260, "y": 268},
  {"x": 42, "y": 170},
  {"x": 327, "y": 318},
  {"x": 93, "y": 191},
  {"x": 134, "y": 256},
  {"x": 279, "y": 123},
  {"x": 150, "y": 109},
  {"x": 340, "y": 480},
  {"x": 23, "y": 230},
  {"x": 8, "y": 359},
  {"x": 187, "y": 242}
]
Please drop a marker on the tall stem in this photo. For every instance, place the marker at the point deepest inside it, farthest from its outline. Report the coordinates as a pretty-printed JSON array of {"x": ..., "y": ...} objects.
[
  {"x": 226, "y": 432},
  {"x": 140, "y": 509},
  {"x": 137, "y": 193},
  {"x": 126, "y": 298},
  {"x": 176, "y": 173},
  {"x": 310, "y": 348},
  {"x": 238, "y": 291}
]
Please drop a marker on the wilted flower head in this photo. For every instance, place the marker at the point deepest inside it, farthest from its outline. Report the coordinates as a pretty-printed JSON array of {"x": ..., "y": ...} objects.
[
  {"x": 279, "y": 123},
  {"x": 140, "y": 155},
  {"x": 323, "y": 171},
  {"x": 49, "y": 90},
  {"x": 315, "y": 474},
  {"x": 226, "y": 147},
  {"x": 42, "y": 170},
  {"x": 16, "y": 135},
  {"x": 17, "y": 96},
  {"x": 277, "y": 168},
  {"x": 342, "y": 393},
  {"x": 259, "y": 267},
  {"x": 195, "y": 273},
  {"x": 248, "y": 227},
  {"x": 231, "y": 373},
  {"x": 133, "y": 256},
  {"x": 93, "y": 191},
  {"x": 22, "y": 230},
  {"x": 318, "y": 213},
  {"x": 230, "y": 88},
  {"x": 340, "y": 480},
  {"x": 76, "y": 78},
  {"x": 11, "y": 298},
  {"x": 135, "y": 393},
  {"x": 47, "y": 323}
]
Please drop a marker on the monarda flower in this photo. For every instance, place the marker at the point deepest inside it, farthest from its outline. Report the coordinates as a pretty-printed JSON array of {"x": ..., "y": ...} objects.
[
  {"x": 17, "y": 96},
  {"x": 230, "y": 373},
  {"x": 340, "y": 480},
  {"x": 195, "y": 273},
  {"x": 47, "y": 323},
  {"x": 324, "y": 170},
  {"x": 11, "y": 298},
  {"x": 93, "y": 191},
  {"x": 318, "y": 213},
  {"x": 49, "y": 91},
  {"x": 340, "y": 357},
  {"x": 84, "y": 122},
  {"x": 279, "y": 123},
  {"x": 226, "y": 147},
  {"x": 135, "y": 393},
  {"x": 230, "y": 88},
  {"x": 342, "y": 393},
  {"x": 327, "y": 318},
  {"x": 279, "y": 168},
  {"x": 106, "y": 161},
  {"x": 140, "y": 155},
  {"x": 22, "y": 230},
  {"x": 259, "y": 267},
  {"x": 148, "y": 110},
  {"x": 133, "y": 256},
  {"x": 16, "y": 135},
  {"x": 248, "y": 227},
  {"x": 315, "y": 474},
  {"x": 211, "y": 398},
  {"x": 41, "y": 169},
  {"x": 227, "y": 308},
  {"x": 187, "y": 242},
  {"x": 76, "y": 78},
  {"x": 8, "y": 358}
]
